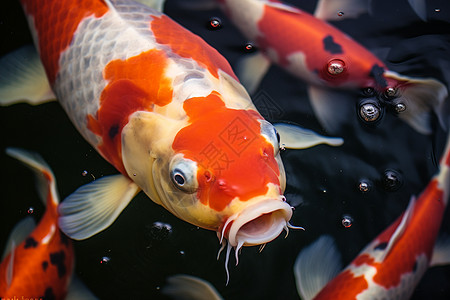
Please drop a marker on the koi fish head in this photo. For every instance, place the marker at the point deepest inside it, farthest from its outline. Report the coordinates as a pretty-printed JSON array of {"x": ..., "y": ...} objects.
[{"x": 220, "y": 170}]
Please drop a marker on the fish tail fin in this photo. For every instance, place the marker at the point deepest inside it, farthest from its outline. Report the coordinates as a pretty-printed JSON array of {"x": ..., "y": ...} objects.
[
  {"x": 420, "y": 96},
  {"x": 45, "y": 180}
]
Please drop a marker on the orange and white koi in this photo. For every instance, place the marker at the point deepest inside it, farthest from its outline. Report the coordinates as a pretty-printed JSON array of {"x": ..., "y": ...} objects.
[
  {"x": 38, "y": 262},
  {"x": 392, "y": 265},
  {"x": 328, "y": 60},
  {"x": 166, "y": 110}
]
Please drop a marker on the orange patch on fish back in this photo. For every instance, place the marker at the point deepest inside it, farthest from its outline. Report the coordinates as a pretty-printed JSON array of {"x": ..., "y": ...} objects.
[
  {"x": 188, "y": 45},
  {"x": 55, "y": 23},
  {"x": 135, "y": 84},
  {"x": 234, "y": 159},
  {"x": 344, "y": 287}
]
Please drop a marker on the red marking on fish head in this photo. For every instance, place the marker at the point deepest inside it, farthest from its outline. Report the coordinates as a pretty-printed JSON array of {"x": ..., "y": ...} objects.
[
  {"x": 55, "y": 23},
  {"x": 234, "y": 160},
  {"x": 134, "y": 84},
  {"x": 188, "y": 45}
]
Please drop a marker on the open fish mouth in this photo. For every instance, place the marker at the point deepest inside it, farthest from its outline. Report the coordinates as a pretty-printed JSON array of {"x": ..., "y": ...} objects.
[{"x": 257, "y": 224}]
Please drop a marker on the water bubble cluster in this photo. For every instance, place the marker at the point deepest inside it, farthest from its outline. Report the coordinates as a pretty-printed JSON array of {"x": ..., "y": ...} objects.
[{"x": 347, "y": 221}]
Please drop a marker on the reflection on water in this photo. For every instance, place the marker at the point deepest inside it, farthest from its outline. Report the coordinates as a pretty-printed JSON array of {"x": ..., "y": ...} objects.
[{"x": 351, "y": 192}]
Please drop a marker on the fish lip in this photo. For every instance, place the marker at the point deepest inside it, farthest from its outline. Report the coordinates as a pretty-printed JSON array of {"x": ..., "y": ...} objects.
[{"x": 259, "y": 223}]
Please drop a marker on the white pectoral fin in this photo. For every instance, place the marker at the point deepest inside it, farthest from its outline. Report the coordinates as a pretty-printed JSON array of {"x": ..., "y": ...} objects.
[
  {"x": 23, "y": 78},
  {"x": 186, "y": 287},
  {"x": 421, "y": 96},
  {"x": 332, "y": 10},
  {"x": 18, "y": 234},
  {"x": 155, "y": 4},
  {"x": 95, "y": 206},
  {"x": 295, "y": 137},
  {"x": 332, "y": 107},
  {"x": 315, "y": 266},
  {"x": 441, "y": 251},
  {"x": 251, "y": 69},
  {"x": 78, "y": 290}
]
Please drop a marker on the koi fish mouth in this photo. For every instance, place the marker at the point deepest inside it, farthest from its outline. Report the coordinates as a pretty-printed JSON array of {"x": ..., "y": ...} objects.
[{"x": 257, "y": 224}]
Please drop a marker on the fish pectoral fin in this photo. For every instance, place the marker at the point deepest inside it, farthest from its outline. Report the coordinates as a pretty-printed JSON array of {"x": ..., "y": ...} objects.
[
  {"x": 315, "y": 266},
  {"x": 155, "y": 4},
  {"x": 78, "y": 290},
  {"x": 43, "y": 174},
  {"x": 23, "y": 78},
  {"x": 251, "y": 69},
  {"x": 295, "y": 137},
  {"x": 441, "y": 251},
  {"x": 332, "y": 108},
  {"x": 420, "y": 8},
  {"x": 185, "y": 287},
  {"x": 332, "y": 10},
  {"x": 420, "y": 96},
  {"x": 18, "y": 234},
  {"x": 95, "y": 206}
]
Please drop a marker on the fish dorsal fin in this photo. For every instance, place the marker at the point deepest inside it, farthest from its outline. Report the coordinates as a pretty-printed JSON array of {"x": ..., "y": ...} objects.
[
  {"x": 155, "y": 4},
  {"x": 421, "y": 96},
  {"x": 441, "y": 251},
  {"x": 315, "y": 266},
  {"x": 94, "y": 206},
  {"x": 295, "y": 137},
  {"x": 400, "y": 228},
  {"x": 186, "y": 287},
  {"x": 251, "y": 69},
  {"x": 332, "y": 10},
  {"x": 45, "y": 180},
  {"x": 78, "y": 290},
  {"x": 19, "y": 234},
  {"x": 23, "y": 78}
]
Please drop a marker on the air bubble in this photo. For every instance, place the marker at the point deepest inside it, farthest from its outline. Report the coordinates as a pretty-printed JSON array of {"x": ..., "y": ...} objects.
[
  {"x": 182, "y": 252},
  {"x": 437, "y": 9},
  {"x": 392, "y": 180},
  {"x": 249, "y": 47},
  {"x": 364, "y": 186},
  {"x": 390, "y": 92},
  {"x": 400, "y": 107},
  {"x": 160, "y": 231},
  {"x": 30, "y": 210},
  {"x": 215, "y": 23},
  {"x": 347, "y": 221},
  {"x": 369, "y": 111},
  {"x": 84, "y": 173},
  {"x": 340, "y": 14},
  {"x": 336, "y": 67},
  {"x": 105, "y": 260}
]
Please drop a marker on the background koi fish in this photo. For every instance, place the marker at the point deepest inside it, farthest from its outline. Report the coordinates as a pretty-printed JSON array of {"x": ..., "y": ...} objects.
[
  {"x": 392, "y": 265},
  {"x": 329, "y": 60},
  {"x": 165, "y": 109},
  {"x": 39, "y": 261}
]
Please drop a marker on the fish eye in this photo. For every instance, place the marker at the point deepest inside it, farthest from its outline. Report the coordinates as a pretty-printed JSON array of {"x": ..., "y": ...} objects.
[
  {"x": 183, "y": 174},
  {"x": 271, "y": 134}
]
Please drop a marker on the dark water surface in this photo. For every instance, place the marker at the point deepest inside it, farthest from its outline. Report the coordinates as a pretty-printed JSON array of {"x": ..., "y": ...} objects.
[{"x": 132, "y": 258}]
